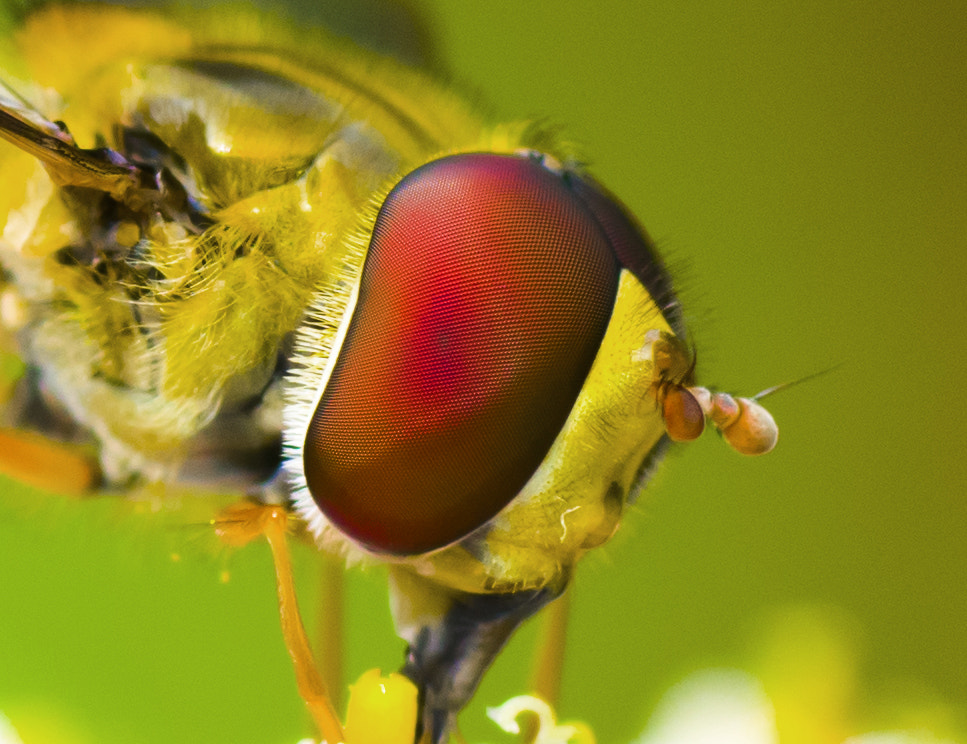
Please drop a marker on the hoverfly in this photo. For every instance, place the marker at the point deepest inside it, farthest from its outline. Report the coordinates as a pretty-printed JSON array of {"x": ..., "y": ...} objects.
[{"x": 248, "y": 256}]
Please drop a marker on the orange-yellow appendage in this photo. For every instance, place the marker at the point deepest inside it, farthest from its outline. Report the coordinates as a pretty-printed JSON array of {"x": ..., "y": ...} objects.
[
  {"x": 240, "y": 523},
  {"x": 548, "y": 665},
  {"x": 745, "y": 424},
  {"x": 329, "y": 628},
  {"x": 747, "y": 427},
  {"x": 237, "y": 526},
  {"x": 547, "y": 668},
  {"x": 46, "y": 464}
]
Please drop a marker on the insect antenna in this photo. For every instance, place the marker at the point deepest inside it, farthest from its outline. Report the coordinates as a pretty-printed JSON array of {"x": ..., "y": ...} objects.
[{"x": 783, "y": 385}]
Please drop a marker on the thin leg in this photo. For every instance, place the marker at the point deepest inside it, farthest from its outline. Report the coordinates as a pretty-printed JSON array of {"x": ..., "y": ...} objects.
[
  {"x": 548, "y": 665},
  {"x": 329, "y": 635},
  {"x": 239, "y": 525}
]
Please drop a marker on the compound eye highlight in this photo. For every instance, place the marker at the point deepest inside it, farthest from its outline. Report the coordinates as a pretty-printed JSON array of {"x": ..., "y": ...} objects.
[{"x": 486, "y": 292}]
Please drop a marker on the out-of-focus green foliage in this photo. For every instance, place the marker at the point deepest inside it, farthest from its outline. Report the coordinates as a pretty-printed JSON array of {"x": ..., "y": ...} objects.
[{"x": 803, "y": 169}]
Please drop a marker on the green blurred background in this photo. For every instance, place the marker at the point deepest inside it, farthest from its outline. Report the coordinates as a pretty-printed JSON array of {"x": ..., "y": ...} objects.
[{"x": 804, "y": 170}]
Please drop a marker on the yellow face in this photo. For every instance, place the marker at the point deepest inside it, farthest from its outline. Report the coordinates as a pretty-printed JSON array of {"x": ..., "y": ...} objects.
[{"x": 255, "y": 259}]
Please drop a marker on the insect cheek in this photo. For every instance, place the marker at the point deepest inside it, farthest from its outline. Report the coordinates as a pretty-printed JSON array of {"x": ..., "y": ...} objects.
[{"x": 485, "y": 294}]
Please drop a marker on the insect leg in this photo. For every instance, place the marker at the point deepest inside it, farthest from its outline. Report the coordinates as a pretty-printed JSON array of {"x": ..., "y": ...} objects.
[
  {"x": 548, "y": 662},
  {"x": 39, "y": 444},
  {"x": 329, "y": 627},
  {"x": 238, "y": 525},
  {"x": 46, "y": 463}
]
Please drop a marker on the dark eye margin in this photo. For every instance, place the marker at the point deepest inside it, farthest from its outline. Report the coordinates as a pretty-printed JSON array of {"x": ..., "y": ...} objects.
[{"x": 631, "y": 244}]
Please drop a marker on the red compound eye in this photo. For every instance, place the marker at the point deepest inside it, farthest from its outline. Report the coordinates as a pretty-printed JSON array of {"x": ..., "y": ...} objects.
[{"x": 486, "y": 291}]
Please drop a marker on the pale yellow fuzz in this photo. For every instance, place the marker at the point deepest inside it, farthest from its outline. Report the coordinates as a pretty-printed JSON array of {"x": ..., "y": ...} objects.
[{"x": 151, "y": 345}]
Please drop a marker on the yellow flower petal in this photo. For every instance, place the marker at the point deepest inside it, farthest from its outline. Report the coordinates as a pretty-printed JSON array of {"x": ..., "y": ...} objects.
[{"x": 382, "y": 710}]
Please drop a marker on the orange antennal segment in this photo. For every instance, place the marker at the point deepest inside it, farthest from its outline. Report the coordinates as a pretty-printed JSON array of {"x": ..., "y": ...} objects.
[
  {"x": 683, "y": 414},
  {"x": 746, "y": 425},
  {"x": 238, "y": 525}
]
